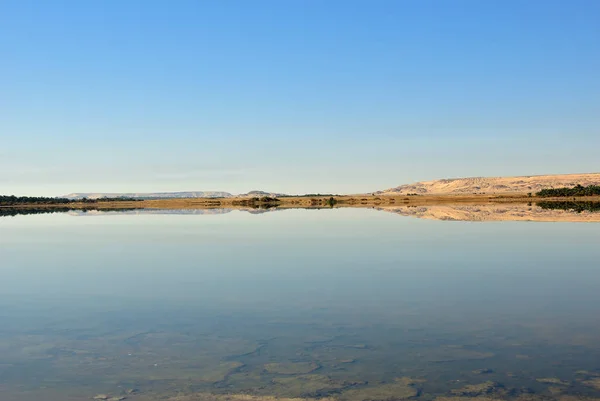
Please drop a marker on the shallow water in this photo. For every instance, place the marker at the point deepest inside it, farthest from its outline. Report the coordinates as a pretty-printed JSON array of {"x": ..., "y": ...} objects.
[{"x": 296, "y": 303}]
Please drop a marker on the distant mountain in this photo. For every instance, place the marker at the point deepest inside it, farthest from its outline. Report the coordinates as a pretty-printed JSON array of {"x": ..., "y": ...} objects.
[
  {"x": 260, "y": 194},
  {"x": 169, "y": 195},
  {"x": 493, "y": 185},
  {"x": 151, "y": 195}
]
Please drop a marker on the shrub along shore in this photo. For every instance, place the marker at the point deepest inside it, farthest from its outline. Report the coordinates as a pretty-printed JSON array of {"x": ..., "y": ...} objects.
[{"x": 279, "y": 202}]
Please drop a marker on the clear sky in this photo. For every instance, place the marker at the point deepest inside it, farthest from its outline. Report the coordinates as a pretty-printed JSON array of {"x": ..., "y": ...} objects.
[{"x": 293, "y": 96}]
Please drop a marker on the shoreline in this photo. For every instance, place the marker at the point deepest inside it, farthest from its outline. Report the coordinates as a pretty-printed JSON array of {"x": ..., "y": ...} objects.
[{"x": 356, "y": 201}]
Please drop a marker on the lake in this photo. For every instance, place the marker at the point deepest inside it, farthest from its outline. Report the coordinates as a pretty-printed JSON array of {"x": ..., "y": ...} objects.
[{"x": 351, "y": 304}]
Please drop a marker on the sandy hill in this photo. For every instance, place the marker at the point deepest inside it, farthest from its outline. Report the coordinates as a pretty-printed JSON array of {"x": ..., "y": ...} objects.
[{"x": 493, "y": 185}]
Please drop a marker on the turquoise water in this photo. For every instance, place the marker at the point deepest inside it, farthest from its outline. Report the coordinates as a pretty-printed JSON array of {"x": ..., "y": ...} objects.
[{"x": 344, "y": 303}]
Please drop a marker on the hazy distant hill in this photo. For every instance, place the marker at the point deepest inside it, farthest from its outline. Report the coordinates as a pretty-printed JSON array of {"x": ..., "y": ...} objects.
[
  {"x": 169, "y": 195},
  {"x": 152, "y": 195},
  {"x": 494, "y": 185},
  {"x": 262, "y": 193}
]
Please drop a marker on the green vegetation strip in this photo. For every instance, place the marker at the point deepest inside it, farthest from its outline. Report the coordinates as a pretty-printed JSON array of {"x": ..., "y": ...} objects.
[
  {"x": 12, "y": 200},
  {"x": 577, "y": 190}
]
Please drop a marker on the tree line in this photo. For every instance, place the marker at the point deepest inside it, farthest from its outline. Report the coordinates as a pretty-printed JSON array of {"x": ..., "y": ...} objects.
[
  {"x": 577, "y": 190},
  {"x": 12, "y": 200}
]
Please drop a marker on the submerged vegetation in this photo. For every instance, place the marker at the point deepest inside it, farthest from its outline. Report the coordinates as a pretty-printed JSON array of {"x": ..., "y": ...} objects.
[
  {"x": 577, "y": 190},
  {"x": 291, "y": 368},
  {"x": 297, "y": 345},
  {"x": 567, "y": 205}
]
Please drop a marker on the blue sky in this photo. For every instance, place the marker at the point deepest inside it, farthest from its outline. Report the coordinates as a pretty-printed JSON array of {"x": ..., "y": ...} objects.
[{"x": 293, "y": 96}]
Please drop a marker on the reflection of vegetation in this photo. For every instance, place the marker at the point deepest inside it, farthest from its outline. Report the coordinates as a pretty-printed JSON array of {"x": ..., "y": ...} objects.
[
  {"x": 566, "y": 205},
  {"x": 4, "y": 212},
  {"x": 265, "y": 206},
  {"x": 10, "y": 211},
  {"x": 577, "y": 190}
]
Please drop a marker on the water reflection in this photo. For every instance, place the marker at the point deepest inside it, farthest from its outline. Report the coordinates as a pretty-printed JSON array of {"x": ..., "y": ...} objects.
[
  {"x": 568, "y": 211},
  {"x": 578, "y": 207},
  {"x": 352, "y": 304},
  {"x": 541, "y": 211},
  {"x": 24, "y": 211}
]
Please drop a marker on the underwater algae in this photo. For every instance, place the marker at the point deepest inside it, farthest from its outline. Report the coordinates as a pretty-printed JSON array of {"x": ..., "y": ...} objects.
[{"x": 291, "y": 368}]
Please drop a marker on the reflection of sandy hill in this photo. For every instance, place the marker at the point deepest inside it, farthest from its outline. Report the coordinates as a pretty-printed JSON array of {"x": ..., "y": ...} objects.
[
  {"x": 492, "y": 212},
  {"x": 495, "y": 185}
]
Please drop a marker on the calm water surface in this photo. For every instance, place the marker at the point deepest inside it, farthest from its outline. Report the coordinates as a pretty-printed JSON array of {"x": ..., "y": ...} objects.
[{"x": 350, "y": 303}]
